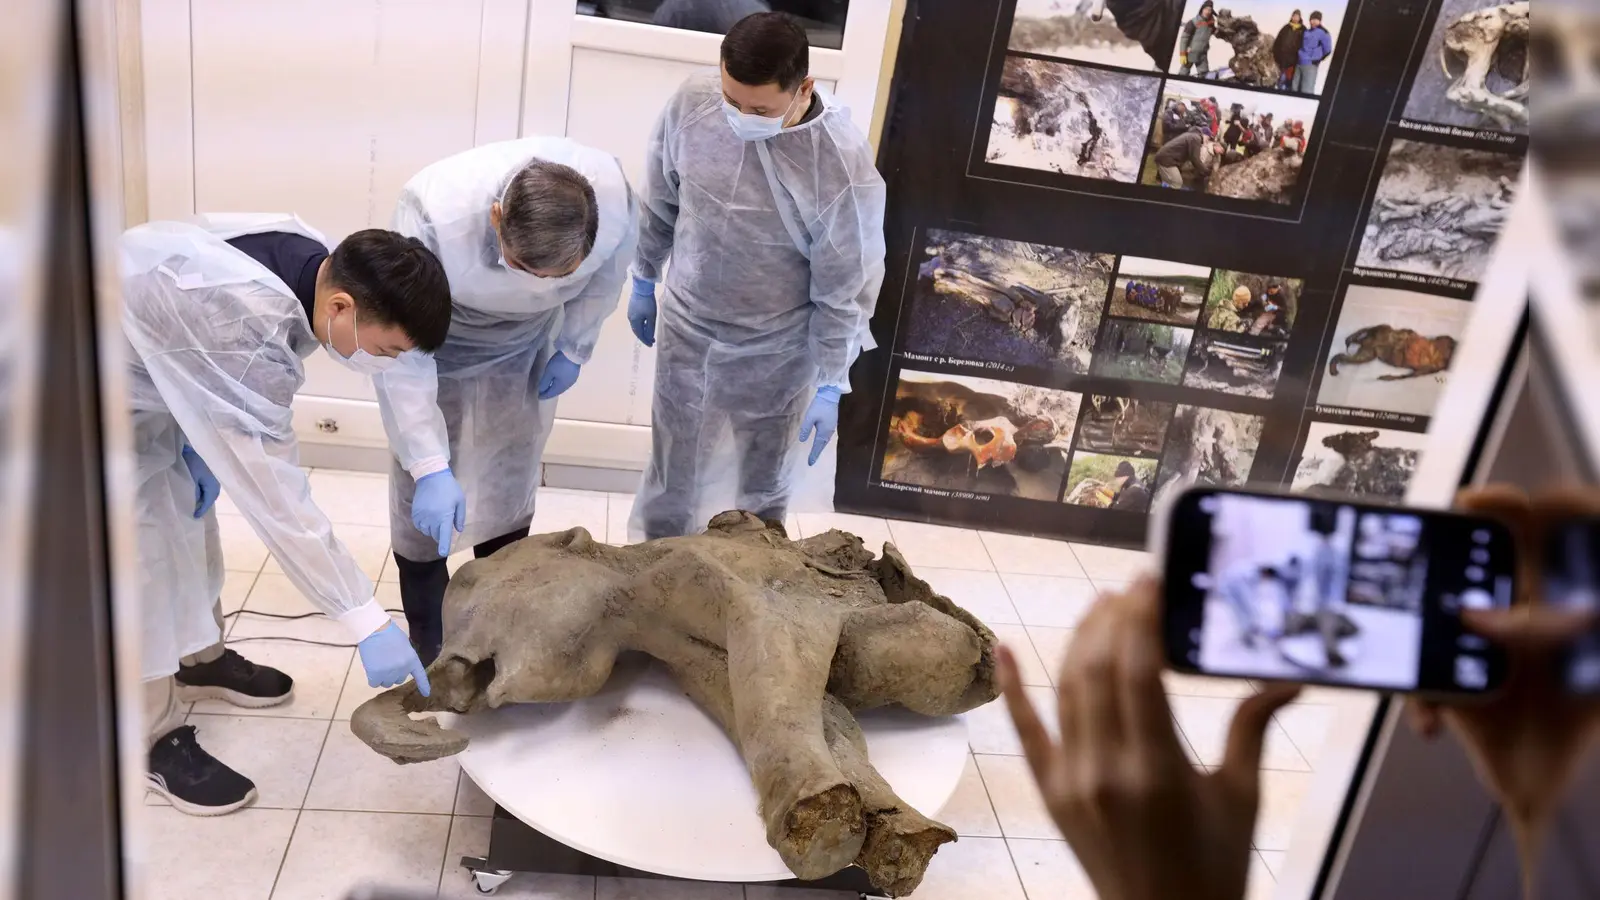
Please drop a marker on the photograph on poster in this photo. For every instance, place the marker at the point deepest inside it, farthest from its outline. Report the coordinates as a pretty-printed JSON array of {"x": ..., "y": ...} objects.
[
  {"x": 1262, "y": 43},
  {"x": 1345, "y": 459},
  {"x": 1377, "y": 364},
  {"x": 1233, "y": 364},
  {"x": 1475, "y": 70},
  {"x": 956, "y": 433},
  {"x": 1229, "y": 142},
  {"x": 1209, "y": 447},
  {"x": 1260, "y": 305},
  {"x": 1123, "y": 425},
  {"x": 1159, "y": 291},
  {"x": 1438, "y": 210},
  {"x": 1133, "y": 34},
  {"x": 1142, "y": 351},
  {"x": 1108, "y": 481},
  {"x": 994, "y": 300},
  {"x": 1073, "y": 120},
  {"x": 1336, "y": 594}
]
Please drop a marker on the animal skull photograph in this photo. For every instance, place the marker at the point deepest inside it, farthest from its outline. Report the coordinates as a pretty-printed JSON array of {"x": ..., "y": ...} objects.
[
  {"x": 1109, "y": 481},
  {"x": 1476, "y": 70},
  {"x": 1142, "y": 351},
  {"x": 1259, "y": 305},
  {"x": 993, "y": 300},
  {"x": 1207, "y": 447},
  {"x": 1254, "y": 42},
  {"x": 1235, "y": 364},
  {"x": 1438, "y": 210},
  {"x": 1071, "y": 120},
  {"x": 957, "y": 433},
  {"x": 1132, "y": 34},
  {"x": 1229, "y": 142},
  {"x": 1123, "y": 425},
  {"x": 1159, "y": 291},
  {"x": 1372, "y": 462},
  {"x": 1392, "y": 349}
]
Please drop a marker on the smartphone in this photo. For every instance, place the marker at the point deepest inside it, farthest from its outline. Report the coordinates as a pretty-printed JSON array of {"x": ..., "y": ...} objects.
[
  {"x": 1321, "y": 591},
  {"x": 1571, "y": 560}
]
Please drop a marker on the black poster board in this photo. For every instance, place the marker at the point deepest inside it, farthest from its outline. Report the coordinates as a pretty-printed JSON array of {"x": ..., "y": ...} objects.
[{"x": 1053, "y": 318}]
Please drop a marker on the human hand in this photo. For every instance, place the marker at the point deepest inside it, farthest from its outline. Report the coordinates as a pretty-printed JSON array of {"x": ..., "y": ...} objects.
[
  {"x": 389, "y": 659},
  {"x": 560, "y": 373},
  {"x": 439, "y": 508},
  {"x": 1525, "y": 741},
  {"x": 206, "y": 487},
  {"x": 642, "y": 311},
  {"x": 823, "y": 417},
  {"x": 1143, "y": 822}
]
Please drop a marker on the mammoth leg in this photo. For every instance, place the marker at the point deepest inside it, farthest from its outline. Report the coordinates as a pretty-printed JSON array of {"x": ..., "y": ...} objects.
[
  {"x": 912, "y": 655},
  {"x": 383, "y": 723}
]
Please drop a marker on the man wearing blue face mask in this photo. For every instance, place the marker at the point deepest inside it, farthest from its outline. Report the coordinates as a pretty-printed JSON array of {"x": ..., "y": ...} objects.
[
  {"x": 218, "y": 314},
  {"x": 762, "y": 193}
]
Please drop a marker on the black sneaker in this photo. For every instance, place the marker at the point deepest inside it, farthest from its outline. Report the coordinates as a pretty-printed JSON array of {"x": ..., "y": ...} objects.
[
  {"x": 235, "y": 679},
  {"x": 194, "y": 780}
]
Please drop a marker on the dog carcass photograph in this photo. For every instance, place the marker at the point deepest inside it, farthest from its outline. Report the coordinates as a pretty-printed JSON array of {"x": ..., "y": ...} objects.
[
  {"x": 1438, "y": 210},
  {"x": 1071, "y": 120},
  {"x": 1207, "y": 447},
  {"x": 1260, "y": 305},
  {"x": 1159, "y": 291},
  {"x": 1284, "y": 45},
  {"x": 1229, "y": 142},
  {"x": 994, "y": 300},
  {"x": 1123, "y": 425},
  {"x": 958, "y": 433},
  {"x": 1392, "y": 350},
  {"x": 1235, "y": 364},
  {"x": 1142, "y": 351},
  {"x": 1132, "y": 34},
  {"x": 1110, "y": 481},
  {"x": 1476, "y": 67},
  {"x": 1371, "y": 462}
]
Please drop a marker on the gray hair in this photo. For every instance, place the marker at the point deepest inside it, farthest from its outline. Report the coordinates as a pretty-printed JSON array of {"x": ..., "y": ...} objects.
[{"x": 548, "y": 216}]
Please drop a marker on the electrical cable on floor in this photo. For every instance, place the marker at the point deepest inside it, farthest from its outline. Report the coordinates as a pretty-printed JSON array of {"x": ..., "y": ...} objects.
[{"x": 291, "y": 618}]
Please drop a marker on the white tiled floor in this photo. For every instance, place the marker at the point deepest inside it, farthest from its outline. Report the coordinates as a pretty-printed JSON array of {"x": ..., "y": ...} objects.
[{"x": 332, "y": 814}]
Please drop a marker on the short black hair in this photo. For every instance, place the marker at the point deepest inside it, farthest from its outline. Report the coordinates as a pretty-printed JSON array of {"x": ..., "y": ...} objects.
[
  {"x": 1125, "y": 470},
  {"x": 1315, "y": 14},
  {"x": 549, "y": 217},
  {"x": 395, "y": 280},
  {"x": 766, "y": 48}
]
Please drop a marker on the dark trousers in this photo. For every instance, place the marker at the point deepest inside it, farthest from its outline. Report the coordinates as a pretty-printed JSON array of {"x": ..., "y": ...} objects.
[{"x": 422, "y": 586}]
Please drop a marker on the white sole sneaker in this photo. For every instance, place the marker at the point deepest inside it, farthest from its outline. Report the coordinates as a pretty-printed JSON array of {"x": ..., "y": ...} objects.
[
  {"x": 154, "y": 784},
  {"x": 195, "y": 693}
]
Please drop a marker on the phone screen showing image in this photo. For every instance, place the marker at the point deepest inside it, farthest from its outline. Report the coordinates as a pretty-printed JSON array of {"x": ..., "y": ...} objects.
[
  {"x": 1320, "y": 591},
  {"x": 1572, "y": 579}
]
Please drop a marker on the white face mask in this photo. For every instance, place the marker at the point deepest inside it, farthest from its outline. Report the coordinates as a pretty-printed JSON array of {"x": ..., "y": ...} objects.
[
  {"x": 360, "y": 362},
  {"x": 755, "y": 128}
]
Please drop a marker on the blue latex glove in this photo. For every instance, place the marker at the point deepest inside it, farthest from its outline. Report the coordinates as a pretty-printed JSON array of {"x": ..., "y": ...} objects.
[
  {"x": 560, "y": 373},
  {"x": 206, "y": 488},
  {"x": 439, "y": 508},
  {"x": 642, "y": 311},
  {"x": 822, "y": 415},
  {"x": 387, "y": 656}
]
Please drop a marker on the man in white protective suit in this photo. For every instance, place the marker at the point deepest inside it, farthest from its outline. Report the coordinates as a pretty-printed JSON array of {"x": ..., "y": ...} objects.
[
  {"x": 763, "y": 194},
  {"x": 535, "y": 236},
  {"x": 218, "y": 314}
]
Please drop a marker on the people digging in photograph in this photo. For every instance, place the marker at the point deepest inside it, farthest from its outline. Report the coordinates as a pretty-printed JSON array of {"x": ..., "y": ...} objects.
[
  {"x": 1110, "y": 482},
  {"x": 1316, "y": 45},
  {"x": 1244, "y": 144},
  {"x": 1286, "y": 49},
  {"x": 1142, "y": 351},
  {"x": 1244, "y": 303},
  {"x": 1242, "y": 366},
  {"x": 1194, "y": 42},
  {"x": 1193, "y": 152}
]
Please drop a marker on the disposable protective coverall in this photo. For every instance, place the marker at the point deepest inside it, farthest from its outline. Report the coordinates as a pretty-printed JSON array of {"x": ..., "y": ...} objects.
[
  {"x": 216, "y": 342},
  {"x": 777, "y": 256},
  {"x": 485, "y": 419}
]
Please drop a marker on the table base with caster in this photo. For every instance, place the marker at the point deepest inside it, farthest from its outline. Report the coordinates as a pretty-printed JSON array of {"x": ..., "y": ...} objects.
[{"x": 515, "y": 847}]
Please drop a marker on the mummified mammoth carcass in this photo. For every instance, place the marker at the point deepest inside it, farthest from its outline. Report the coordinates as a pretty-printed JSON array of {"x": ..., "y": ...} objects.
[{"x": 778, "y": 640}]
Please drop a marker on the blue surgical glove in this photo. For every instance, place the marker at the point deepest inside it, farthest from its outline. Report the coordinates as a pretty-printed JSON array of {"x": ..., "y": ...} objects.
[
  {"x": 437, "y": 505},
  {"x": 206, "y": 488},
  {"x": 560, "y": 373},
  {"x": 389, "y": 659},
  {"x": 822, "y": 415},
  {"x": 642, "y": 311}
]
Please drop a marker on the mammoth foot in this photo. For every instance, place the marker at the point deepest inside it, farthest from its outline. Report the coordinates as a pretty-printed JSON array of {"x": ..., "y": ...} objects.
[
  {"x": 900, "y": 843},
  {"x": 382, "y": 723},
  {"x": 822, "y": 833}
]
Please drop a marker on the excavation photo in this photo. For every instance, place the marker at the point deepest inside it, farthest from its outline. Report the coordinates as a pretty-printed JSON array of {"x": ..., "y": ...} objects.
[
  {"x": 1107, "y": 481},
  {"x": 1227, "y": 142},
  {"x": 1133, "y": 34},
  {"x": 1159, "y": 291},
  {"x": 1123, "y": 425},
  {"x": 1392, "y": 350},
  {"x": 1438, "y": 210},
  {"x": 1475, "y": 71},
  {"x": 1208, "y": 447},
  {"x": 956, "y": 433},
  {"x": 1258, "y": 43},
  {"x": 1234, "y": 364},
  {"x": 779, "y": 641},
  {"x": 1071, "y": 120},
  {"x": 1141, "y": 351},
  {"x": 988, "y": 299},
  {"x": 1341, "y": 459},
  {"x": 1258, "y": 305}
]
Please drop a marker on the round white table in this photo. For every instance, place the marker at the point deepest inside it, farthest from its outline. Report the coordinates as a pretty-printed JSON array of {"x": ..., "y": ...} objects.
[{"x": 640, "y": 776}]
